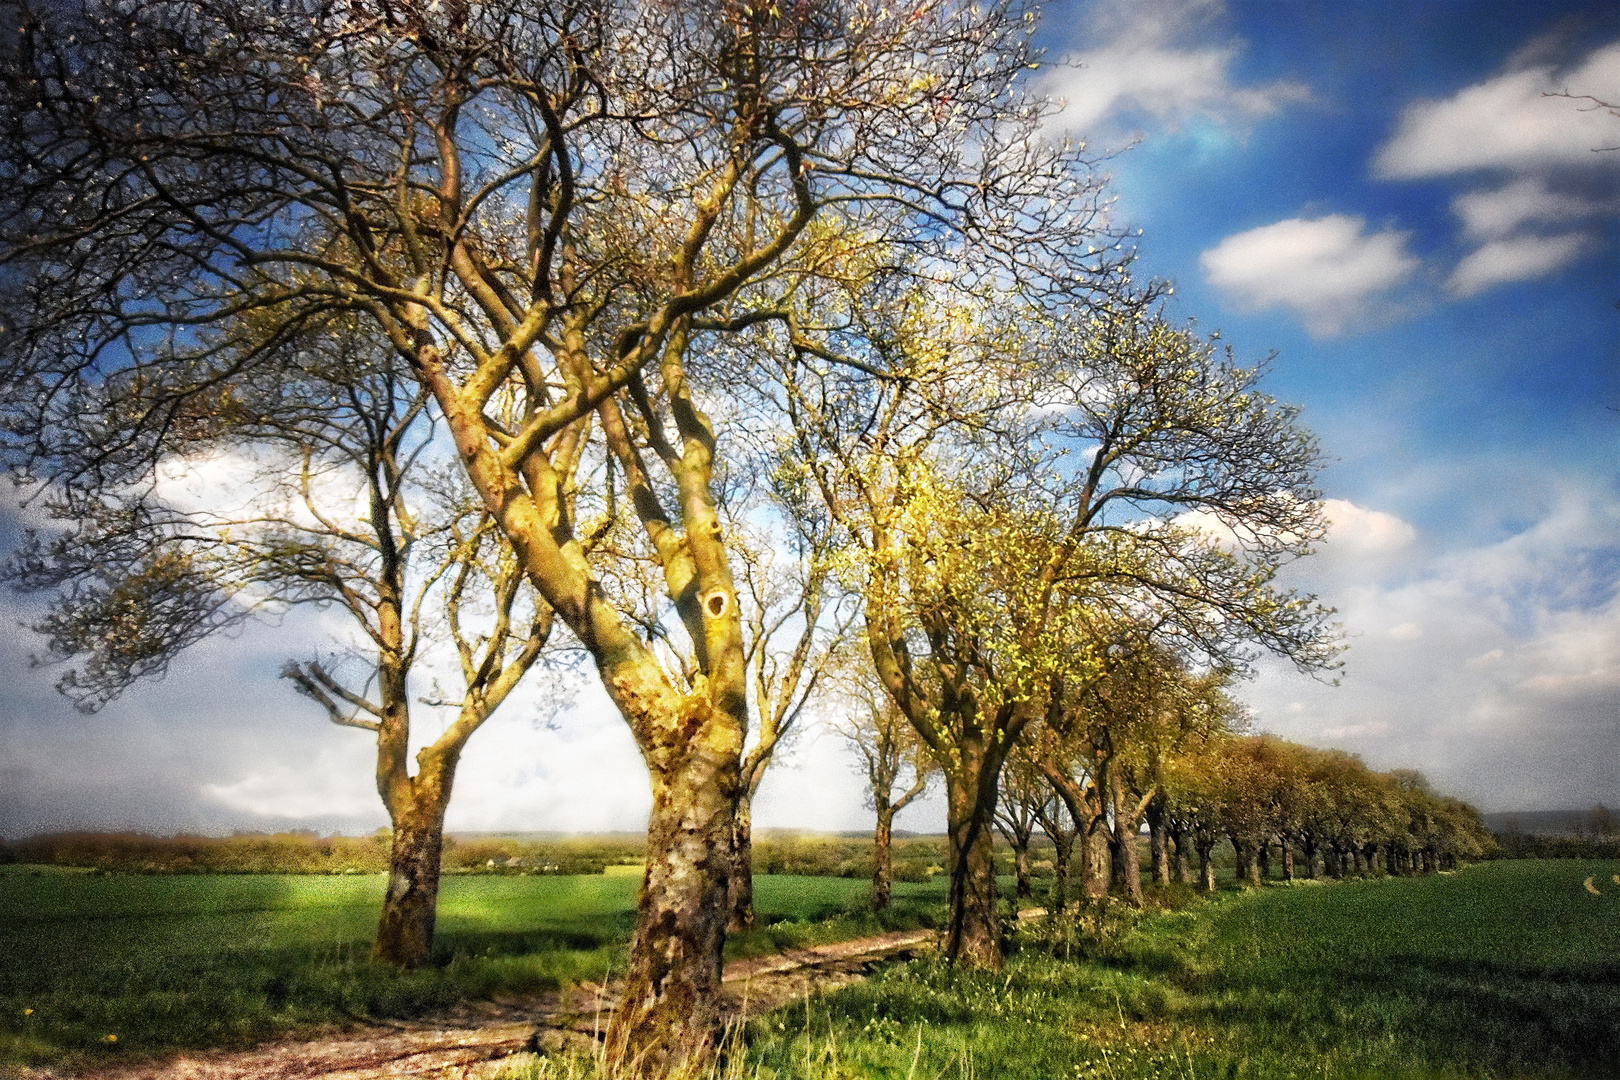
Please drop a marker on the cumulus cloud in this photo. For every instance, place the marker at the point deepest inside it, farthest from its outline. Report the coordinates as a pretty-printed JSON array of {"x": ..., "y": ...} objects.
[
  {"x": 1516, "y": 258},
  {"x": 1152, "y": 58},
  {"x": 1508, "y": 122},
  {"x": 1497, "y": 213},
  {"x": 1327, "y": 270},
  {"x": 1493, "y": 668},
  {"x": 1533, "y": 156}
]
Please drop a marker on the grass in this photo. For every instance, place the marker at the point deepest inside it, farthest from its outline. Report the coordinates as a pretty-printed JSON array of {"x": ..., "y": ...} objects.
[
  {"x": 1506, "y": 970},
  {"x": 177, "y": 961}
]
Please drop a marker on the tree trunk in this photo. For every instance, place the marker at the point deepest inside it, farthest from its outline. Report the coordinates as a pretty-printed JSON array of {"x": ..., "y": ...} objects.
[
  {"x": 669, "y": 1017},
  {"x": 1021, "y": 864},
  {"x": 1206, "y": 866},
  {"x": 1130, "y": 865},
  {"x": 882, "y": 857},
  {"x": 1311, "y": 869},
  {"x": 740, "y": 891},
  {"x": 1184, "y": 871},
  {"x": 1063, "y": 852},
  {"x": 410, "y": 906},
  {"x": 1159, "y": 843},
  {"x": 973, "y": 935},
  {"x": 1288, "y": 860},
  {"x": 1097, "y": 864},
  {"x": 1263, "y": 854},
  {"x": 1248, "y": 861}
]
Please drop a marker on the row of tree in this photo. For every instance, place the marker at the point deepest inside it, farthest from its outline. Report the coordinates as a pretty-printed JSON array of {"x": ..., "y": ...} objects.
[
  {"x": 1316, "y": 811},
  {"x": 669, "y": 340}
]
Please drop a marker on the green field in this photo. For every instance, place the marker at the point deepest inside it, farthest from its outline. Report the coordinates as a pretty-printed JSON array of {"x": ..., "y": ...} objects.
[
  {"x": 201, "y": 960},
  {"x": 1509, "y": 969}
]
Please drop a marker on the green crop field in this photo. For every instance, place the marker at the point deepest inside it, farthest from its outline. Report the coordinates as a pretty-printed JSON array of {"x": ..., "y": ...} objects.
[
  {"x": 201, "y": 960},
  {"x": 1509, "y": 969}
]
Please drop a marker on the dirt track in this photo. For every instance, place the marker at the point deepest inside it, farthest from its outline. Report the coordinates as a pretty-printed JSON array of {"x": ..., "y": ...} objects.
[{"x": 472, "y": 1039}]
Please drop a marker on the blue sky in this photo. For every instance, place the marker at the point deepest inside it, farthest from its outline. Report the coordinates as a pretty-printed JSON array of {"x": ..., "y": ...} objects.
[
  {"x": 1383, "y": 195},
  {"x": 1380, "y": 194}
]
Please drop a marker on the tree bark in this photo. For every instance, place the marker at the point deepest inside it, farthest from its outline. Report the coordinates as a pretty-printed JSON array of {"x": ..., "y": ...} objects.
[
  {"x": 1206, "y": 865},
  {"x": 883, "y": 856},
  {"x": 740, "y": 891},
  {"x": 669, "y": 1017},
  {"x": 1063, "y": 852},
  {"x": 973, "y": 935},
  {"x": 1159, "y": 842},
  {"x": 410, "y": 906},
  {"x": 1021, "y": 864},
  {"x": 1130, "y": 866},
  {"x": 1287, "y": 860},
  {"x": 1184, "y": 871},
  {"x": 1097, "y": 863}
]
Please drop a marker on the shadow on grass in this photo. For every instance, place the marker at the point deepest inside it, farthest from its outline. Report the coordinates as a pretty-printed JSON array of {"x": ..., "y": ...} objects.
[{"x": 1494, "y": 1016}]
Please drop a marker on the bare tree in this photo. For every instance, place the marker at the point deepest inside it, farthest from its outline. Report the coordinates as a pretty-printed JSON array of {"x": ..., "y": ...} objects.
[
  {"x": 339, "y": 509},
  {"x": 1025, "y": 801},
  {"x": 783, "y": 604},
  {"x": 890, "y": 752}
]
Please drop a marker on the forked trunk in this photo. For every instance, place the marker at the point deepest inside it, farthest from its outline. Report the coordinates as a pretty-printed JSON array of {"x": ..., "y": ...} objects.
[
  {"x": 741, "y": 889},
  {"x": 973, "y": 936},
  {"x": 410, "y": 906},
  {"x": 669, "y": 1017}
]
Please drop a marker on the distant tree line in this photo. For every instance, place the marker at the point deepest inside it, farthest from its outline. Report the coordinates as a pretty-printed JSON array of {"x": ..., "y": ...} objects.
[{"x": 307, "y": 853}]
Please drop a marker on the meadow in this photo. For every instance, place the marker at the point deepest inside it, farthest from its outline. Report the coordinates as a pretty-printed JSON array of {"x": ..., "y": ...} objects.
[
  {"x": 190, "y": 960},
  {"x": 1506, "y": 969}
]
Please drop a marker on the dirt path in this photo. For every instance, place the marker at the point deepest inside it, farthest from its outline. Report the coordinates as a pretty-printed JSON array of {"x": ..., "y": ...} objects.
[{"x": 474, "y": 1039}]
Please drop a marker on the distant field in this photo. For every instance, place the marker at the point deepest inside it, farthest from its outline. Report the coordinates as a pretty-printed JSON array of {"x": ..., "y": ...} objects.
[
  {"x": 1509, "y": 969},
  {"x": 199, "y": 960}
]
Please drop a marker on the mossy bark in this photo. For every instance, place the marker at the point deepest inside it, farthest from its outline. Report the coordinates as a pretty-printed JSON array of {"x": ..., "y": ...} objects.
[{"x": 669, "y": 1015}]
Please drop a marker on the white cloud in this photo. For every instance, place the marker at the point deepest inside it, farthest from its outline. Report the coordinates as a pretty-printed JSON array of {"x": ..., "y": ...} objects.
[
  {"x": 1325, "y": 269},
  {"x": 1497, "y": 213},
  {"x": 1536, "y": 155},
  {"x": 1516, "y": 258},
  {"x": 1507, "y": 123},
  {"x": 1495, "y": 669},
  {"x": 1151, "y": 58},
  {"x": 1363, "y": 532}
]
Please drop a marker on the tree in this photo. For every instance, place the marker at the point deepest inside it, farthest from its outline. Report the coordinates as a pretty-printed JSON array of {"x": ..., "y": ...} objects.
[
  {"x": 339, "y": 510},
  {"x": 782, "y": 683},
  {"x": 551, "y": 203},
  {"x": 1025, "y": 800},
  {"x": 890, "y": 750}
]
